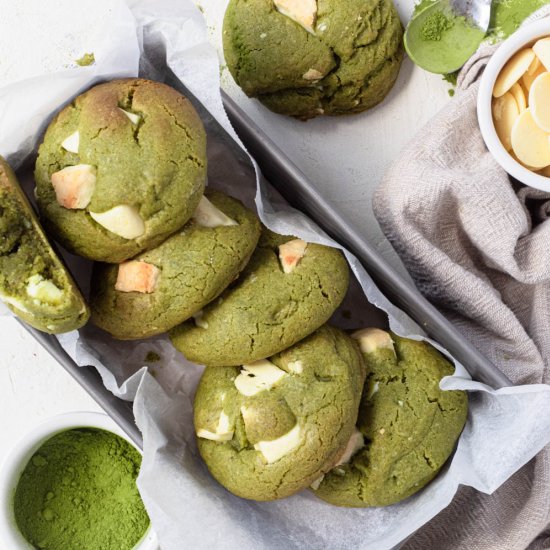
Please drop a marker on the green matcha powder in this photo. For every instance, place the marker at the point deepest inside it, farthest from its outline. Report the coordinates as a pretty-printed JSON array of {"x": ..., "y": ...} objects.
[{"x": 78, "y": 491}]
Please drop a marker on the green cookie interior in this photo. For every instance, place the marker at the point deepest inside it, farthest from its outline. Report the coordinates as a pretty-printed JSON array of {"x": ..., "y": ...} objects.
[
  {"x": 410, "y": 427},
  {"x": 34, "y": 283},
  {"x": 317, "y": 396}
]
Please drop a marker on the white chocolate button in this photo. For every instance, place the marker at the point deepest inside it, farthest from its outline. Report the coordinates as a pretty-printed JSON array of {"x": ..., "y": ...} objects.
[
  {"x": 513, "y": 71},
  {"x": 542, "y": 50},
  {"x": 74, "y": 186},
  {"x": 290, "y": 253},
  {"x": 539, "y": 101},
  {"x": 134, "y": 119},
  {"x": 505, "y": 114},
  {"x": 304, "y": 12},
  {"x": 372, "y": 339},
  {"x": 207, "y": 215},
  {"x": 257, "y": 377},
  {"x": 355, "y": 442},
  {"x": 43, "y": 290},
  {"x": 312, "y": 74},
  {"x": 71, "y": 143},
  {"x": 530, "y": 143},
  {"x": 122, "y": 220},
  {"x": 223, "y": 432},
  {"x": 277, "y": 448},
  {"x": 136, "y": 276},
  {"x": 519, "y": 95}
]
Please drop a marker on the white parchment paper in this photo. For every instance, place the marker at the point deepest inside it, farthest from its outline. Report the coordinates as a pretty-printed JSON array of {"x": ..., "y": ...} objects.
[{"x": 188, "y": 508}]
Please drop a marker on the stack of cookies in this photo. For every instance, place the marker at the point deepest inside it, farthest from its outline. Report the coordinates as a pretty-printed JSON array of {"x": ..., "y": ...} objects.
[{"x": 286, "y": 401}]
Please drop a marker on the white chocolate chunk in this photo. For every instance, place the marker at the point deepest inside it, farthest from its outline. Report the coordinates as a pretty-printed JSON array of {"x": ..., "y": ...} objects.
[
  {"x": 207, "y": 215},
  {"x": 519, "y": 95},
  {"x": 539, "y": 101},
  {"x": 136, "y": 276},
  {"x": 356, "y": 442},
  {"x": 304, "y": 12},
  {"x": 542, "y": 50},
  {"x": 290, "y": 253},
  {"x": 199, "y": 319},
  {"x": 122, "y": 220},
  {"x": 278, "y": 448},
  {"x": 373, "y": 389},
  {"x": 312, "y": 74},
  {"x": 71, "y": 143},
  {"x": 257, "y": 377},
  {"x": 74, "y": 186},
  {"x": 223, "y": 432},
  {"x": 16, "y": 303},
  {"x": 43, "y": 290},
  {"x": 530, "y": 143},
  {"x": 513, "y": 71},
  {"x": 505, "y": 113},
  {"x": 296, "y": 367},
  {"x": 134, "y": 119},
  {"x": 317, "y": 483},
  {"x": 372, "y": 339}
]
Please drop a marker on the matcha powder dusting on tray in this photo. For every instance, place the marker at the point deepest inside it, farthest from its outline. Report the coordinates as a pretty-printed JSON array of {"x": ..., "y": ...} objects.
[{"x": 78, "y": 491}]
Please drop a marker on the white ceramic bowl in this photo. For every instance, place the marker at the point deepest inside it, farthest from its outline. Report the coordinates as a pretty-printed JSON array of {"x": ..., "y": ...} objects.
[
  {"x": 525, "y": 36},
  {"x": 10, "y": 535}
]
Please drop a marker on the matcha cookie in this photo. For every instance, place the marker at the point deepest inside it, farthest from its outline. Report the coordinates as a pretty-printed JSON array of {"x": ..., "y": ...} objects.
[
  {"x": 167, "y": 285},
  {"x": 407, "y": 426},
  {"x": 34, "y": 283},
  {"x": 306, "y": 58},
  {"x": 268, "y": 429},
  {"x": 120, "y": 169},
  {"x": 288, "y": 290}
]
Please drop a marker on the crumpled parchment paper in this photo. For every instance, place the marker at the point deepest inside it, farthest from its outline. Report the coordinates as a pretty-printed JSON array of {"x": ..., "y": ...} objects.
[{"x": 505, "y": 429}]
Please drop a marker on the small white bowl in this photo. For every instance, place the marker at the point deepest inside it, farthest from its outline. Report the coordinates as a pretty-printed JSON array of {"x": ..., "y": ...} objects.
[
  {"x": 525, "y": 36},
  {"x": 21, "y": 454}
]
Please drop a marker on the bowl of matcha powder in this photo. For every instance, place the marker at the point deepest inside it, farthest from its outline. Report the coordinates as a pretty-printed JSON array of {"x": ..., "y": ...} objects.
[{"x": 71, "y": 483}]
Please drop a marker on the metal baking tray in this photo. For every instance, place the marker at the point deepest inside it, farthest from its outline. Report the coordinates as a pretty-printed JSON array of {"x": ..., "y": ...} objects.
[{"x": 291, "y": 183}]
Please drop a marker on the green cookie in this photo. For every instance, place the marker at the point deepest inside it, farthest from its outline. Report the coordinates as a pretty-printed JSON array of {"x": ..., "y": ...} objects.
[
  {"x": 267, "y": 310},
  {"x": 34, "y": 283},
  {"x": 304, "y": 58},
  {"x": 120, "y": 169},
  {"x": 407, "y": 426},
  {"x": 167, "y": 285},
  {"x": 268, "y": 429}
]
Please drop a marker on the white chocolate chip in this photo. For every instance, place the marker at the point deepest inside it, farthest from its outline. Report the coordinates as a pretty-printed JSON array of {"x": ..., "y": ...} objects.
[
  {"x": 43, "y": 290},
  {"x": 539, "y": 101},
  {"x": 372, "y": 339},
  {"x": 356, "y": 442},
  {"x": 290, "y": 253},
  {"x": 137, "y": 276},
  {"x": 381, "y": 431},
  {"x": 207, "y": 215},
  {"x": 505, "y": 113},
  {"x": 71, "y": 143},
  {"x": 317, "y": 483},
  {"x": 199, "y": 319},
  {"x": 312, "y": 74},
  {"x": 542, "y": 50},
  {"x": 257, "y": 377},
  {"x": 513, "y": 71},
  {"x": 74, "y": 186},
  {"x": 304, "y": 12},
  {"x": 296, "y": 367},
  {"x": 278, "y": 448},
  {"x": 122, "y": 220},
  {"x": 223, "y": 430},
  {"x": 531, "y": 143},
  {"x": 134, "y": 119}
]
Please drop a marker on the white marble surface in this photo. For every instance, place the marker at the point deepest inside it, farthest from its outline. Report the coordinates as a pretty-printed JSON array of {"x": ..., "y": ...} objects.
[{"x": 345, "y": 158}]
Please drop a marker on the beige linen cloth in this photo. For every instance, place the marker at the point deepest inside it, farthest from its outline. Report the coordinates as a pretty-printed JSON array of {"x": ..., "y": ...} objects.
[{"x": 478, "y": 246}]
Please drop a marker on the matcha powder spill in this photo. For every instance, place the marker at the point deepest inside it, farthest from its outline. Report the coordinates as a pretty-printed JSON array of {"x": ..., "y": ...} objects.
[{"x": 79, "y": 491}]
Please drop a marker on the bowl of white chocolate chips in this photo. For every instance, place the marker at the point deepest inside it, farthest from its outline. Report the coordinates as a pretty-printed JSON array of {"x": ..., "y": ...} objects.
[{"x": 514, "y": 105}]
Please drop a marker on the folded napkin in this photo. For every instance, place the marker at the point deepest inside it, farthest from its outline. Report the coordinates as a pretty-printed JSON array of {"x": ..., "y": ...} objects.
[{"x": 478, "y": 246}]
